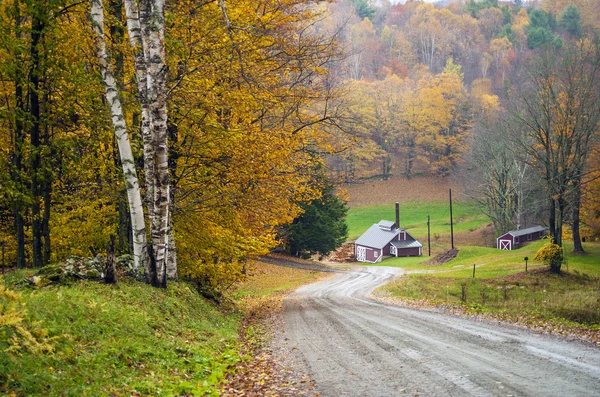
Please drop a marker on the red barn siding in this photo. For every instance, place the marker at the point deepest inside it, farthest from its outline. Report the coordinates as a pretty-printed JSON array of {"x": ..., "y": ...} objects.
[
  {"x": 386, "y": 250},
  {"x": 371, "y": 254}
]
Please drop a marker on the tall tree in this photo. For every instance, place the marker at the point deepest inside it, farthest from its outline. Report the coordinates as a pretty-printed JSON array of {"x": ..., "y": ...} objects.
[
  {"x": 560, "y": 117},
  {"x": 321, "y": 228},
  {"x": 120, "y": 128}
]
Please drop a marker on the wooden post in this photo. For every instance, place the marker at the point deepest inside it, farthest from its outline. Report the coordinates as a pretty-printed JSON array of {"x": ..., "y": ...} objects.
[
  {"x": 473, "y": 271},
  {"x": 451, "y": 225},
  {"x": 428, "y": 235},
  {"x": 526, "y": 259}
]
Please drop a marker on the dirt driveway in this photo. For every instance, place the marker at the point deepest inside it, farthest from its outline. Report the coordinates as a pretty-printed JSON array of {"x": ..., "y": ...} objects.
[{"x": 354, "y": 346}]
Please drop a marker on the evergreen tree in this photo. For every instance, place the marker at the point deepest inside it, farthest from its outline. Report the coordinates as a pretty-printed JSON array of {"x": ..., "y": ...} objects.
[
  {"x": 571, "y": 21},
  {"x": 363, "y": 9},
  {"x": 322, "y": 227}
]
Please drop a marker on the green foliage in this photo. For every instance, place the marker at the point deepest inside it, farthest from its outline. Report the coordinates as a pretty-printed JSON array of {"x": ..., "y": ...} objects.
[
  {"x": 506, "y": 14},
  {"x": 363, "y": 9},
  {"x": 474, "y": 7},
  {"x": 119, "y": 341},
  {"x": 540, "y": 30},
  {"x": 570, "y": 20},
  {"x": 322, "y": 226},
  {"x": 507, "y": 32},
  {"x": 551, "y": 254}
]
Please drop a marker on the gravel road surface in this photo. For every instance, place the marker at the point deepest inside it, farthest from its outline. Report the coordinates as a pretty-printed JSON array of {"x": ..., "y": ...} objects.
[{"x": 354, "y": 346}]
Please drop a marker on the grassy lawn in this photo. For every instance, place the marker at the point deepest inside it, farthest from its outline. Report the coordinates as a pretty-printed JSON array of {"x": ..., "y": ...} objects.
[
  {"x": 130, "y": 339},
  {"x": 413, "y": 217},
  {"x": 501, "y": 285}
]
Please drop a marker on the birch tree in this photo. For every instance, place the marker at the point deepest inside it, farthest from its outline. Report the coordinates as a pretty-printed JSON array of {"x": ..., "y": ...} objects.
[
  {"x": 146, "y": 27},
  {"x": 134, "y": 197}
]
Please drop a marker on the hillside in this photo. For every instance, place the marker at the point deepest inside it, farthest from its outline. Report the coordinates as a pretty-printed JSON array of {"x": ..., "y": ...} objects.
[{"x": 130, "y": 339}]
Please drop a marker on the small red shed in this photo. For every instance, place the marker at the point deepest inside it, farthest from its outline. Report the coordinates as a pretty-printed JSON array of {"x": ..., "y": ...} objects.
[{"x": 515, "y": 238}]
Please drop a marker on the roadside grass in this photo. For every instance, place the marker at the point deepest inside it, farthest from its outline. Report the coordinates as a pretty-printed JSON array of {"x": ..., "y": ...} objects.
[
  {"x": 265, "y": 279},
  {"x": 501, "y": 285},
  {"x": 129, "y": 339},
  {"x": 413, "y": 218},
  {"x": 132, "y": 339}
]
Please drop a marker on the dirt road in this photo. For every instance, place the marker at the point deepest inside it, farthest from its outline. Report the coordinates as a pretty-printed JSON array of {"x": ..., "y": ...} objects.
[{"x": 354, "y": 346}]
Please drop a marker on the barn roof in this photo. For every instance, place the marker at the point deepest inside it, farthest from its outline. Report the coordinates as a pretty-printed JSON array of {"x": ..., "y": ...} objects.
[
  {"x": 407, "y": 244},
  {"x": 376, "y": 237},
  {"x": 522, "y": 232}
]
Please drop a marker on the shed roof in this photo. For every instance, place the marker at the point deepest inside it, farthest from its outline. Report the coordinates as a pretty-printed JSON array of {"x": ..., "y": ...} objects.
[
  {"x": 376, "y": 237},
  {"x": 407, "y": 244},
  {"x": 522, "y": 232},
  {"x": 387, "y": 224}
]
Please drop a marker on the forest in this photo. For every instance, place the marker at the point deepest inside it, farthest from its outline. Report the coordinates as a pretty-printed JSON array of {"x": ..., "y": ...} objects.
[{"x": 195, "y": 132}]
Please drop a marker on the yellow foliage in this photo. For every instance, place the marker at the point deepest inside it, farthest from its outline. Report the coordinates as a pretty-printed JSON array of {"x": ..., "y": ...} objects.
[
  {"x": 551, "y": 254},
  {"x": 14, "y": 330}
]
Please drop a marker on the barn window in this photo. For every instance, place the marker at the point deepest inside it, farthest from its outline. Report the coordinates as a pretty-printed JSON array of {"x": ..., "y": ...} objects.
[
  {"x": 375, "y": 254},
  {"x": 529, "y": 236},
  {"x": 516, "y": 239}
]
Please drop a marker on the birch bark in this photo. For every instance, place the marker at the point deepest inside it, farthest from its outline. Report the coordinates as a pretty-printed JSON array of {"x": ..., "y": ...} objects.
[
  {"x": 118, "y": 120},
  {"x": 145, "y": 24}
]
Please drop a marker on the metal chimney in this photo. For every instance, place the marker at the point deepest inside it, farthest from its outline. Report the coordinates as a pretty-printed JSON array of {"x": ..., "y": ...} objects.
[{"x": 398, "y": 215}]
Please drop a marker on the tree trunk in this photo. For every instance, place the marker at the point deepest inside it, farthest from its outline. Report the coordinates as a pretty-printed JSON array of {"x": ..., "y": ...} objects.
[
  {"x": 18, "y": 147},
  {"x": 37, "y": 28},
  {"x": 174, "y": 154},
  {"x": 47, "y": 199},
  {"x": 152, "y": 24},
  {"x": 577, "y": 246},
  {"x": 559, "y": 220},
  {"x": 146, "y": 32},
  {"x": 552, "y": 219},
  {"x": 118, "y": 120},
  {"x": 134, "y": 29},
  {"x": 124, "y": 244},
  {"x": 110, "y": 272}
]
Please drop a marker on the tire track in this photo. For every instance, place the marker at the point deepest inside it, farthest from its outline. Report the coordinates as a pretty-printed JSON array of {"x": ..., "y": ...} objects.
[{"x": 354, "y": 346}]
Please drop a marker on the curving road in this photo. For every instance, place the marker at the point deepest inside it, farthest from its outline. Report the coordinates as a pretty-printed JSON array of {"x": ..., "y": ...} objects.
[{"x": 354, "y": 346}]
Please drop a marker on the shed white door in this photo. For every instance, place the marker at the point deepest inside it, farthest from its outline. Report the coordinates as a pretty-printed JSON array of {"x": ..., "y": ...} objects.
[
  {"x": 361, "y": 254},
  {"x": 505, "y": 245}
]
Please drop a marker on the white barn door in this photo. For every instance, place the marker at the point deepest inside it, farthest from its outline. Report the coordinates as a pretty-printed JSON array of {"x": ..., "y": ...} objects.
[
  {"x": 505, "y": 245},
  {"x": 361, "y": 254}
]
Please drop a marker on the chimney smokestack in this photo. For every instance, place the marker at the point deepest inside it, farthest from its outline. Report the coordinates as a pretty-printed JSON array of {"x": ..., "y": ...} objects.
[{"x": 398, "y": 215}]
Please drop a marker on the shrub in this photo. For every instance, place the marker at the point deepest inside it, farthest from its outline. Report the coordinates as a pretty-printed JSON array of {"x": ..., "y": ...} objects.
[{"x": 552, "y": 255}]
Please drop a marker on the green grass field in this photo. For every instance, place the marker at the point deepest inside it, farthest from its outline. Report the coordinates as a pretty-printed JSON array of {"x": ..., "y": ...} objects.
[
  {"x": 413, "y": 218},
  {"x": 500, "y": 285}
]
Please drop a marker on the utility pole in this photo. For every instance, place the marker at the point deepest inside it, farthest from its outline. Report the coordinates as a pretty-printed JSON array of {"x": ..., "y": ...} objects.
[
  {"x": 428, "y": 236},
  {"x": 451, "y": 225}
]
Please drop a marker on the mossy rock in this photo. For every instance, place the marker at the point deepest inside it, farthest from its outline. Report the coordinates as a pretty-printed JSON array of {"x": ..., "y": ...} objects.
[{"x": 52, "y": 272}]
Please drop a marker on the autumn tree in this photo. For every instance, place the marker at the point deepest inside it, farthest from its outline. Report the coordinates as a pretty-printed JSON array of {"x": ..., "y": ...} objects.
[
  {"x": 559, "y": 117},
  {"x": 503, "y": 184}
]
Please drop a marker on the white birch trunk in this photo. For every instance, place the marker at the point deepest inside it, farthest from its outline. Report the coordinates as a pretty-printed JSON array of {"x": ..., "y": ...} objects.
[
  {"x": 118, "y": 120},
  {"x": 145, "y": 25},
  {"x": 153, "y": 41},
  {"x": 132, "y": 13}
]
